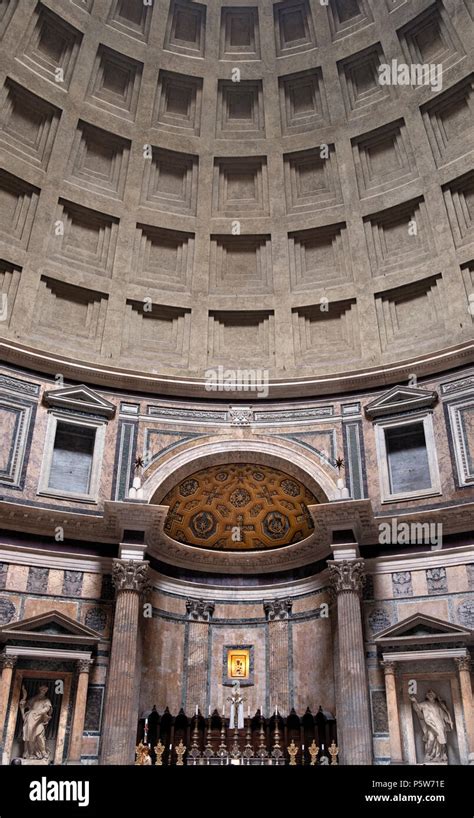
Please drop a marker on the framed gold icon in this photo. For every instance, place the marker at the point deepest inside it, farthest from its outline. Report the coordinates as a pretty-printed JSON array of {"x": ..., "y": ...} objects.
[{"x": 238, "y": 663}]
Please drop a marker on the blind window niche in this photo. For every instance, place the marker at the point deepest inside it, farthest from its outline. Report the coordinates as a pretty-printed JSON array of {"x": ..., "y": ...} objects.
[
  {"x": 407, "y": 459},
  {"x": 71, "y": 464}
]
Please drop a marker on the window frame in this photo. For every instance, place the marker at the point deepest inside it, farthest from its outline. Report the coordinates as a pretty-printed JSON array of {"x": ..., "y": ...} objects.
[
  {"x": 386, "y": 494},
  {"x": 55, "y": 417},
  {"x": 460, "y": 444}
]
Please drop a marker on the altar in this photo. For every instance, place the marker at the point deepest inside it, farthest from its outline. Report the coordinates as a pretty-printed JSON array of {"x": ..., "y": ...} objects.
[{"x": 217, "y": 741}]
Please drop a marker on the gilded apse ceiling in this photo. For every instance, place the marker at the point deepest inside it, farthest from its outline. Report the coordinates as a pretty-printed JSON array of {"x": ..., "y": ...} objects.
[{"x": 239, "y": 506}]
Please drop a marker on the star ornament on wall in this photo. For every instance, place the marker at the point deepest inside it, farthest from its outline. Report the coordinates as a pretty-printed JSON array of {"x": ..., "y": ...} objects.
[
  {"x": 339, "y": 464},
  {"x": 138, "y": 464}
]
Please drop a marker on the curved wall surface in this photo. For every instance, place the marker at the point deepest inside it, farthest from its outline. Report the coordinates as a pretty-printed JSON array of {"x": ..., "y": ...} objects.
[
  {"x": 198, "y": 185},
  {"x": 236, "y": 314}
]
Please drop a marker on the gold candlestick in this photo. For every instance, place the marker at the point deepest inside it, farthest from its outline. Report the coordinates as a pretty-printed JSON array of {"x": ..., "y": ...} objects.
[
  {"x": 277, "y": 752},
  {"x": 248, "y": 749},
  {"x": 194, "y": 752},
  {"x": 262, "y": 751},
  {"x": 292, "y": 752},
  {"x": 159, "y": 750},
  {"x": 208, "y": 751},
  {"x": 333, "y": 752},
  {"x": 313, "y": 750},
  {"x": 143, "y": 755},
  {"x": 223, "y": 752},
  {"x": 180, "y": 751}
]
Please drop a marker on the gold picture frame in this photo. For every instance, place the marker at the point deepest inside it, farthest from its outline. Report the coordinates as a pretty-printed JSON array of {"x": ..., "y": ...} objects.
[{"x": 238, "y": 664}]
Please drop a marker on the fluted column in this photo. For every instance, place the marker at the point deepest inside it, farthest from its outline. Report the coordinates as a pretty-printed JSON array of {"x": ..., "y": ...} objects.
[
  {"x": 347, "y": 579},
  {"x": 464, "y": 670},
  {"x": 120, "y": 723},
  {"x": 8, "y": 666},
  {"x": 83, "y": 667},
  {"x": 390, "y": 670}
]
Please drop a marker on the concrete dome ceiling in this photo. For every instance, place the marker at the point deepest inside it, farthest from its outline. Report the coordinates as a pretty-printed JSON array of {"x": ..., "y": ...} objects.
[
  {"x": 194, "y": 185},
  {"x": 239, "y": 506}
]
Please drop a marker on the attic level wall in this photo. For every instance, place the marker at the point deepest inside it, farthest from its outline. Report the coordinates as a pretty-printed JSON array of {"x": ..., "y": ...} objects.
[{"x": 326, "y": 429}]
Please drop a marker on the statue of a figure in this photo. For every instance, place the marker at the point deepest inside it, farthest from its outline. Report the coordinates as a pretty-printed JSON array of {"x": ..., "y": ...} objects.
[
  {"x": 36, "y": 713},
  {"x": 236, "y": 703},
  {"x": 435, "y": 720}
]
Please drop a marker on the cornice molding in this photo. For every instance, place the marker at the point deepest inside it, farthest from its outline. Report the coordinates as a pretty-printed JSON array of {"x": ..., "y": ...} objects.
[
  {"x": 108, "y": 527},
  {"x": 421, "y": 560},
  {"x": 63, "y": 561},
  {"x": 235, "y": 594},
  {"x": 353, "y": 380}
]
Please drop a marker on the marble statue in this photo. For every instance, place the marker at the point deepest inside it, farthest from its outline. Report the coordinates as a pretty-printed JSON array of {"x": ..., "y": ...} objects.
[
  {"x": 236, "y": 704},
  {"x": 36, "y": 713},
  {"x": 435, "y": 721}
]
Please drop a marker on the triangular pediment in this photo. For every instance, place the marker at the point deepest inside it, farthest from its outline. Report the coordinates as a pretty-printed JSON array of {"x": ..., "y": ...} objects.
[
  {"x": 420, "y": 628},
  {"x": 400, "y": 399},
  {"x": 52, "y": 626},
  {"x": 81, "y": 398}
]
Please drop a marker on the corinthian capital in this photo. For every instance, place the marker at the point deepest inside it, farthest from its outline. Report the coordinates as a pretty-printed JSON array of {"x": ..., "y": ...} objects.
[
  {"x": 8, "y": 661},
  {"x": 130, "y": 575},
  {"x": 199, "y": 610},
  {"x": 84, "y": 665},
  {"x": 278, "y": 609},
  {"x": 463, "y": 662},
  {"x": 390, "y": 668},
  {"x": 347, "y": 575}
]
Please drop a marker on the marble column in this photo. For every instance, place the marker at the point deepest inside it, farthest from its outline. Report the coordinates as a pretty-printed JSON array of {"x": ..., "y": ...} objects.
[
  {"x": 83, "y": 667},
  {"x": 8, "y": 666},
  {"x": 347, "y": 580},
  {"x": 390, "y": 670},
  {"x": 464, "y": 670},
  {"x": 120, "y": 721}
]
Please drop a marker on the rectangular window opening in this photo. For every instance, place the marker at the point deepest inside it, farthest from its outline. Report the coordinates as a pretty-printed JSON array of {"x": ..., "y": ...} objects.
[
  {"x": 407, "y": 456},
  {"x": 71, "y": 464}
]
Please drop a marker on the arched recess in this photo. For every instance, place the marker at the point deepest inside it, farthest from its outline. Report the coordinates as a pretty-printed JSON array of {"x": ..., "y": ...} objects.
[{"x": 287, "y": 456}]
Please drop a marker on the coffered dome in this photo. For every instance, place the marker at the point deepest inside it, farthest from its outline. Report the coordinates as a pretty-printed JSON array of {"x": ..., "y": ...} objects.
[{"x": 193, "y": 185}]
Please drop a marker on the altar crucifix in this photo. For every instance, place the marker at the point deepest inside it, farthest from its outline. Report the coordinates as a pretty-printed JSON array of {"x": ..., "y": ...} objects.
[{"x": 236, "y": 703}]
